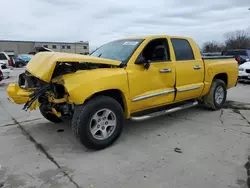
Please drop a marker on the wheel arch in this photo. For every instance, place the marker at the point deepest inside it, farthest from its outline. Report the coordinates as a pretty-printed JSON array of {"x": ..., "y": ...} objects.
[
  {"x": 116, "y": 94},
  {"x": 208, "y": 82},
  {"x": 223, "y": 77}
]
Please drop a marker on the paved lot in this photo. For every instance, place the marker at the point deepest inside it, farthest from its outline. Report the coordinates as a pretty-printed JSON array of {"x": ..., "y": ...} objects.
[{"x": 215, "y": 147}]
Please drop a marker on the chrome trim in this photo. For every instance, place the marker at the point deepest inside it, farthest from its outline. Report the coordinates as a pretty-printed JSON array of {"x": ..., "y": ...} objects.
[
  {"x": 153, "y": 95},
  {"x": 164, "y": 112},
  {"x": 188, "y": 89}
]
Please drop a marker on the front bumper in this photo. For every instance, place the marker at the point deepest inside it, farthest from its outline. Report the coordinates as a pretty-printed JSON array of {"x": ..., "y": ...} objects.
[
  {"x": 243, "y": 78},
  {"x": 18, "y": 95}
]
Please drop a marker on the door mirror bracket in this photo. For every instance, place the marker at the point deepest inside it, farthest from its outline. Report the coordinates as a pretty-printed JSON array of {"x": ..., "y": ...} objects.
[{"x": 147, "y": 65}]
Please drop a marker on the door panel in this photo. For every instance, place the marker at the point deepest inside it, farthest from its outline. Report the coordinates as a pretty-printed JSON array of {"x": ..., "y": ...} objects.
[
  {"x": 189, "y": 79},
  {"x": 189, "y": 69},
  {"x": 153, "y": 87}
]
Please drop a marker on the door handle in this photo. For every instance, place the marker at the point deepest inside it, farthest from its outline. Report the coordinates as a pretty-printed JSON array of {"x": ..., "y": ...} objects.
[
  {"x": 165, "y": 70},
  {"x": 196, "y": 67}
]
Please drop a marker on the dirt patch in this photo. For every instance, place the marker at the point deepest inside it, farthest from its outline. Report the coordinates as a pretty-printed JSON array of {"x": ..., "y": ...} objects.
[{"x": 236, "y": 105}]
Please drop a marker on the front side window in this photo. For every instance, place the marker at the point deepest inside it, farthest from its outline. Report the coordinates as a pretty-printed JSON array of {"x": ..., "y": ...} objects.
[
  {"x": 182, "y": 49},
  {"x": 155, "y": 51},
  {"x": 120, "y": 50}
]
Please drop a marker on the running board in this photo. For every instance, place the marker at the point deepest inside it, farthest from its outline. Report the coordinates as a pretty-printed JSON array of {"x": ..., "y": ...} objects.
[{"x": 164, "y": 112}]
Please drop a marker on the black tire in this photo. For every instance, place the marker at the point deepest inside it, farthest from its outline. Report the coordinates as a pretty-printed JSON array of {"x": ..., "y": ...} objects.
[
  {"x": 19, "y": 65},
  {"x": 82, "y": 118},
  {"x": 209, "y": 100},
  {"x": 47, "y": 114}
]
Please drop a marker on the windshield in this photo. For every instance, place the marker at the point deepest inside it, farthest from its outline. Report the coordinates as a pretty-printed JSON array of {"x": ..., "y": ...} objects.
[{"x": 120, "y": 50}]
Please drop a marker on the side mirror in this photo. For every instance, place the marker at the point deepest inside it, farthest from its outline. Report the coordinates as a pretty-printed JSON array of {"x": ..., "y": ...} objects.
[{"x": 141, "y": 61}]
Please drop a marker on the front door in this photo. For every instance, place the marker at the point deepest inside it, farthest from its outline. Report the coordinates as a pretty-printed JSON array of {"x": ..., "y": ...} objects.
[
  {"x": 189, "y": 70},
  {"x": 154, "y": 86}
]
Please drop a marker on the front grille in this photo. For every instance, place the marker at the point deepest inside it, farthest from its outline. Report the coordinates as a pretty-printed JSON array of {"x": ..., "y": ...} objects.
[
  {"x": 243, "y": 77},
  {"x": 247, "y": 70}
]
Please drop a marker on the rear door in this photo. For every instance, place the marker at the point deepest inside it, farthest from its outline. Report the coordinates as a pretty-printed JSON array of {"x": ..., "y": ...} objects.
[{"x": 189, "y": 69}]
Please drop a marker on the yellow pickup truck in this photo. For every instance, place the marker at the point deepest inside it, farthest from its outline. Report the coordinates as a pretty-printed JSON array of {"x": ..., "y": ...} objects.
[{"x": 132, "y": 78}]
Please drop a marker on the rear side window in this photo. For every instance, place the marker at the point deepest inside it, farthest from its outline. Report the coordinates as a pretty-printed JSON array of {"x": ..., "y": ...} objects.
[
  {"x": 3, "y": 57},
  {"x": 182, "y": 49}
]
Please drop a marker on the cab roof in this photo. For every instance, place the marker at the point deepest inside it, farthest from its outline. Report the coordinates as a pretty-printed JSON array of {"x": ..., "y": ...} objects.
[{"x": 155, "y": 36}]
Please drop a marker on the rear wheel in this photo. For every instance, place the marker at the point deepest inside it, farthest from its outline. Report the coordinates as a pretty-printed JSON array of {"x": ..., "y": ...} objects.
[
  {"x": 48, "y": 114},
  {"x": 98, "y": 123},
  {"x": 216, "y": 96}
]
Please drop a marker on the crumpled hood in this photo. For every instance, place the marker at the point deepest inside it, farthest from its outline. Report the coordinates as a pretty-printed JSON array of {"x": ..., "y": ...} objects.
[{"x": 42, "y": 65}]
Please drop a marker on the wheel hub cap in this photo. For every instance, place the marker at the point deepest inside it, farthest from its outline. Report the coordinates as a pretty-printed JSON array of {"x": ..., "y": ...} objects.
[
  {"x": 103, "y": 124},
  {"x": 219, "y": 95}
]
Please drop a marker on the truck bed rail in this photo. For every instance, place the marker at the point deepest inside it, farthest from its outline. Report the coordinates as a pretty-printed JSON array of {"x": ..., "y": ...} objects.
[{"x": 217, "y": 57}]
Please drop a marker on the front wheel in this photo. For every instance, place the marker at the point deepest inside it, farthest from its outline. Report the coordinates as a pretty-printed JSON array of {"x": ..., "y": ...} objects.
[
  {"x": 98, "y": 123},
  {"x": 216, "y": 96}
]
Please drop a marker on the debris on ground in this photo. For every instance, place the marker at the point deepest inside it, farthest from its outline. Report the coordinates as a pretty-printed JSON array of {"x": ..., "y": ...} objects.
[
  {"x": 178, "y": 150},
  {"x": 60, "y": 130}
]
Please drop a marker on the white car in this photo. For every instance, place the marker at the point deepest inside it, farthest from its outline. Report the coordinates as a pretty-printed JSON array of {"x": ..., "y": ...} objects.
[
  {"x": 6, "y": 59},
  {"x": 5, "y": 70},
  {"x": 244, "y": 72}
]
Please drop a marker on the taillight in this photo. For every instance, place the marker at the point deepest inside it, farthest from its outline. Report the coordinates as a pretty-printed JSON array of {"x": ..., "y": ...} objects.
[
  {"x": 238, "y": 58},
  {"x": 9, "y": 63}
]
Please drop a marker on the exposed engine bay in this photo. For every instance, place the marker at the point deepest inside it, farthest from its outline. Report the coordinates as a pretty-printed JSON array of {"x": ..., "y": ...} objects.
[
  {"x": 54, "y": 95},
  {"x": 66, "y": 68}
]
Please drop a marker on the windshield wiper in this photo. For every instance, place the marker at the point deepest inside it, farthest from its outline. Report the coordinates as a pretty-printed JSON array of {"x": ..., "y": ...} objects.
[{"x": 99, "y": 55}]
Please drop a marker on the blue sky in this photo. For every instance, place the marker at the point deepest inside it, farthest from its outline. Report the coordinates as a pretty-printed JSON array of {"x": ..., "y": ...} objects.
[{"x": 99, "y": 21}]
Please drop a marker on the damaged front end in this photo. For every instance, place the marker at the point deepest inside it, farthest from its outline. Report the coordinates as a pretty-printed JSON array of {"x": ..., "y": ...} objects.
[
  {"x": 42, "y": 83},
  {"x": 32, "y": 92}
]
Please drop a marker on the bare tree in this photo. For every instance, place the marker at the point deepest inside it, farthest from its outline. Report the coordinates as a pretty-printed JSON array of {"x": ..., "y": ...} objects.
[
  {"x": 212, "y": 46},
  {"x": 237, "y": 39}
]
